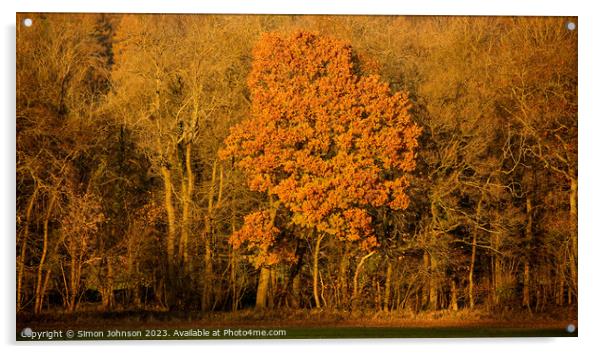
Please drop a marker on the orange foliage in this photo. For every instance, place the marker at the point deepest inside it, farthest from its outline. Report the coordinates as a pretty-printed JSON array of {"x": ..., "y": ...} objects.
[{"x": 323, "y": 140}]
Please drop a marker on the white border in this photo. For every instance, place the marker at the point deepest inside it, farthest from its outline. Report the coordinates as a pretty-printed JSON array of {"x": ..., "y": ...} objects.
[
  {"x": 590, "y": 148},
  {"x": 373, "y": 7}
]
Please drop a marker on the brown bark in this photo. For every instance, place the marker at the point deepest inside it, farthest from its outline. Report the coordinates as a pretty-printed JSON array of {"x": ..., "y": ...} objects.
[
  {"x": 473, "y": 256},
  {"x": 262, "y": 288},
  {"x": 74, "y": 276},
  {"x": 208, "y": 256},
  {"x": 425, "y": 285},
  {"x": 453, "y": 302},
  {"x": 560, "y": 288},
  {"x": 39, "y": 294},
  {"x": 187, "y": 190},
  {"x": 471, "y": 270},
  {"x": 24, "y": 240},
  {"x": 343, "y": 265},
  {"x": 171, "y": 220},
  {"x": 296, "y": 291},
  {"x": 315, "y": 270},
  {"x": 496, "y": 275},
  {"x": 233, "y": 285},
  {"x": 264, "y": 272},
  {"x": 356, "y": 288},
  {"x": 526, "y": 271},
  {"x": 433, "y": 284},
  {"x": 573, "y": 243},
  {"x": 388, "y": 286},
  {"x": 107, "y": 294}
]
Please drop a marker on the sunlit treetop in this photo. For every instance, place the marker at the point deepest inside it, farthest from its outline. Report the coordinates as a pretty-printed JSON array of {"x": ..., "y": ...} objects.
[{"x": 323, "y": 140}]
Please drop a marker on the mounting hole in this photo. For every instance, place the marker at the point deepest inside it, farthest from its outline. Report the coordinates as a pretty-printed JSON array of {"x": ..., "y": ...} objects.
[
  {"x": 570, "y": 328},
  {"x": 27, "y": 22},
  {"x": 571, "y": 26}
]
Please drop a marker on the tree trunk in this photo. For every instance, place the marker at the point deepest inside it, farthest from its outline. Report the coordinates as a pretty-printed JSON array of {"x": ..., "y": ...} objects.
[
  {"x": 433, "y": 284},
  {"x": 187, "y": 190},
  {"x": 208, "y": 257},
  {"x": 453, "y": 302},
  {"x": 264, "y": 273},
  {"x": 262, "y": 288},
  {"x": 107, "y": 294},
  {"x": 560, "y": 288},
  {"x": 315, "y": 268},
  {"x": 473, "y": 257},
  {"x": 573, "y": 243},
  {"x": 171, "y": 223},
  {"x": 528, "y": 237},
  {"x": 72, "y": 282},
  {"x": 471, "y": 270},
  {"x": 292, "y": 295},
  {"x": 297, "y": 291},
  {"x": 233, "y": 267},
  {"x": 388, "y": 286},
  {"x": 424, "y": 300},
  {"x": 356, "y": 288},
  {"x": 343, "y": 265},
  {"x": 208, "y": 272},
  {"x": 497, "y": 269},
  {"x": 39, "y": 295},
  {"x": 23, "y": 255}
]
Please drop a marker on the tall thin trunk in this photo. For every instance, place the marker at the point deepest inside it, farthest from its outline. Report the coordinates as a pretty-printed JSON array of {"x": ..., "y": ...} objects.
[
  {"x": 433, "y": 284},
  {"x": 72, "y": 280},
  {"x": 171, "y": 220},
  {"x": 39, "y": 296},
  {"x": 496, "y": 263},
  {"x": 471, "y": 270},
  {"x": 45, "y": 284},
  {"x": 24, "y": 240},
  {"x": 528, "y": 237},
  {"x": 425, "y": 284},
  {"x": 208, "y": 256},
  {"x": 343, "y": 265},
  {"x": 187, "y": 190},
  {"x": 573, "y": 243},
  {"x": 388, "y": 286},
  {"x": 233, "y": 268},
  {"x": 171, "y": 236},
  {"x": 560, "y": 276},
  {"x": 233, "y": 287},
  {"x": 315, "y": 268},
  {"x": 356, "y": 288},
  {"x": 473, "y": 257}
]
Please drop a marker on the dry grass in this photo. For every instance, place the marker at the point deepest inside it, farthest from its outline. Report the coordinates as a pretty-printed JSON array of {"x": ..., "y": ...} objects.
[{"x": 477, "y": 318}]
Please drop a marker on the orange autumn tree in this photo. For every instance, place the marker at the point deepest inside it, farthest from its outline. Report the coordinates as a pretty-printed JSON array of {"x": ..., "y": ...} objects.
[{"x": 324, "y": 143}]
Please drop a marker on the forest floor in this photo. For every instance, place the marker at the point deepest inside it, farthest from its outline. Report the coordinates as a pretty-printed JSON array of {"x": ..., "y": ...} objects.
[{"x": 298, "y": 324}]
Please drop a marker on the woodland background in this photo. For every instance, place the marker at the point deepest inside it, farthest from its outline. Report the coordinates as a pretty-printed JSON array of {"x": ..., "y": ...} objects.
[{"x": 125, "y": 203}]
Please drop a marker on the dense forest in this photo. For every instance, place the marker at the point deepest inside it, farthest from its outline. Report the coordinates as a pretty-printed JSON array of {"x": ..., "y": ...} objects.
[{"x": 361, "y": 164}]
